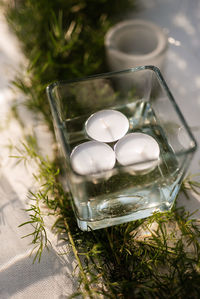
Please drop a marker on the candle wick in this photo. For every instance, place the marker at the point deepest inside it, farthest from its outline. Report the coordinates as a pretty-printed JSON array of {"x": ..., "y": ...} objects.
[
  {"x": 107, "y": 127},
  {"x": 139, "y": 151},
  {"x": 92, "y": 161},
  {"x": 104, "y": 123}
]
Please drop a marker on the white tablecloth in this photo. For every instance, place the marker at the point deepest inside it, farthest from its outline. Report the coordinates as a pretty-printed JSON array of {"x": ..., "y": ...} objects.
[
  {"x": 52, "y": 277},
  {"x": 19, "y": 277}
]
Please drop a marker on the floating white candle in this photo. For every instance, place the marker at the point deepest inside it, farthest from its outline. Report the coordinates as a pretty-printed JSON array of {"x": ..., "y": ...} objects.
[
  {"x": 92, "y": 157},
  {"x": 138, "y": 149},
  {"x": 107, "y": 125}
]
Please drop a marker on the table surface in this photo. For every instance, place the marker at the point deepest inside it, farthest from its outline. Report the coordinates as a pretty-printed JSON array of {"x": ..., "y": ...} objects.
[{"x": 52, "y": 277}]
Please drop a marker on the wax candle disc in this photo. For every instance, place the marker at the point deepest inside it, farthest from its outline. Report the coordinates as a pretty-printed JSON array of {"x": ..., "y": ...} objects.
[
  {"x": 139, "y": 150},
  {"x": 92, "y": 157},
  {"x": 107, "y": 125}
]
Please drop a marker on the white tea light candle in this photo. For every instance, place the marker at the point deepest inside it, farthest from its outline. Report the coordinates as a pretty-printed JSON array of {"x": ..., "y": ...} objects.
[
  {"x": 136, "y": 148},
  {"x": 107, "y": 125},
  {"x": 92, "y": 157},
  {"x": 136, "y": 42}
]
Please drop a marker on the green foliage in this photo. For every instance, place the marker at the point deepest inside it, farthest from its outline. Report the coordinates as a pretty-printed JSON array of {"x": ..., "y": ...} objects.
[
  {"x": 62, "y": 40},
  {"x": 39, "y": 235},
  {"x": 154, "y": 258}
]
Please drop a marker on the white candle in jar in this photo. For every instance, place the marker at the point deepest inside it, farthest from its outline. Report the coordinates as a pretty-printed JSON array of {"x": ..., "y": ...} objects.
[
  {"x": 107, "y": 125},
  {"x": 139, "y": 150},
  {"x": 92, "y": 157}
]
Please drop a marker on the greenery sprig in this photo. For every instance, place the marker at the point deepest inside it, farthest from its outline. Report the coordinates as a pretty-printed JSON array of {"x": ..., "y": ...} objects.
[
  {"x": 158, "y": 257},
  {"x": 39, "y": 235}
]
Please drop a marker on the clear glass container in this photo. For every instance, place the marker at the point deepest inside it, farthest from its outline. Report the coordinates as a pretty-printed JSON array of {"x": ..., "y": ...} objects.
[{"x": 122, "y": 193}]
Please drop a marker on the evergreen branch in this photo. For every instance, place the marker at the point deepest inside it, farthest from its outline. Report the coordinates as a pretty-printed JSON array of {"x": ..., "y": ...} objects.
[
  {"x": 39, "y": 235},
  {"x": 88, "y": 291}
]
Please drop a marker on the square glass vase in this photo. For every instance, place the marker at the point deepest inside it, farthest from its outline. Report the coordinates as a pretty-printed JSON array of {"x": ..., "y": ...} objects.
[{"x": 125, "y": 192}]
